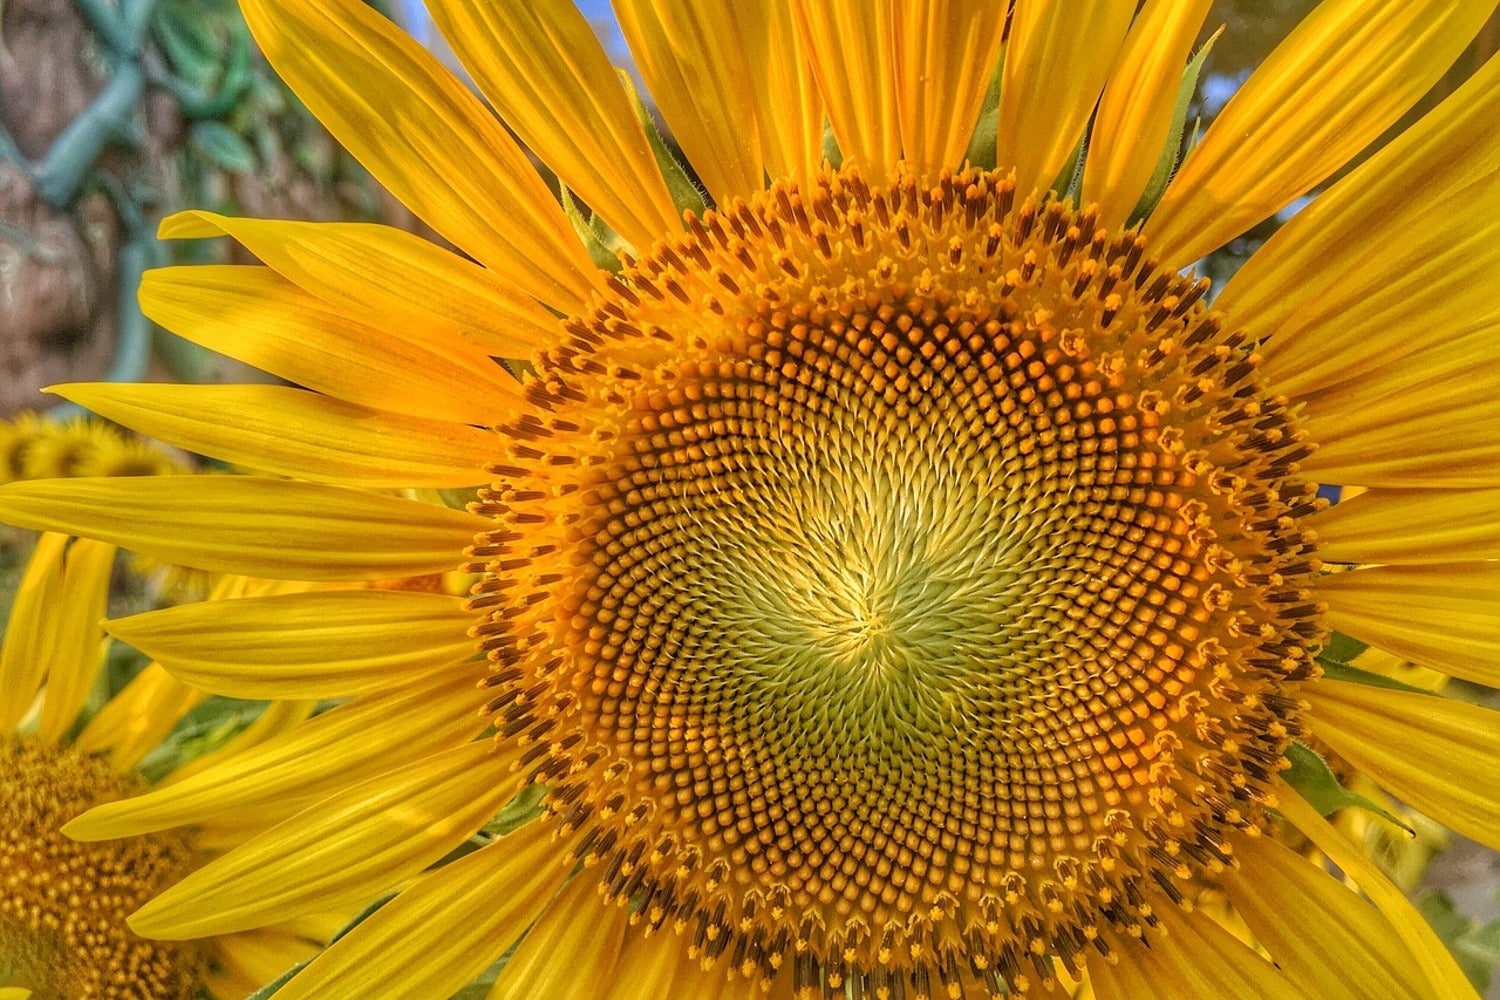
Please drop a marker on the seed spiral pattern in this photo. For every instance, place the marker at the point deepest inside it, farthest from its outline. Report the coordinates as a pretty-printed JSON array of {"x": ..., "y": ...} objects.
[
  {"x": 901, "y": 585},
  {"x": 63, "y": 904}
]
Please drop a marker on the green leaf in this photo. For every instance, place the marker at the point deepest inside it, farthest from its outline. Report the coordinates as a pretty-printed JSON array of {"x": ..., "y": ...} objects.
[
  {"x": 831, "y": 152},
  {"x": 204, "y": 729},
  {"x": 1342, "y": 649},
  {"x": 1166, "y": 166},
  {"x": 525, "y": 807},
  {"x": 269, "y": 990},
  {"x": 222, "y": 145},
  {"x": 1475, "y": 946},
  {"x": 188, "y": 39},
  {"x": 686, "y": 194},
  {"x": 1354, "y": 675},
  {"x": 1311, "y": 776},
  {"x": 603, "y": 243},
  {"x": 982, "y": 144}
]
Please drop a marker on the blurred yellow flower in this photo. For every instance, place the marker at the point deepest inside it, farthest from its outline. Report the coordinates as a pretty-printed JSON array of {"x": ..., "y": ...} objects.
[{"x": 64, "y": 904}]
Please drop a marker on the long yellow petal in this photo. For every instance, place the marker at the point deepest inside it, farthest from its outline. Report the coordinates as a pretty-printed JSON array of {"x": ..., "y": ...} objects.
[
  {"x": 1342, "y": 77},
  {"x": 542, "y": 68},
  {"x": 331, "y": 644},
  {"x": 570, "y": 952},
  {"x": 446, "y": 927},
  {"x": 342, "y": 851},
  {"x": 292, "y": 432},
  {"x": 254, "y": 315},
  {"x": 1193, "y": 960},
  {"x": 383, "y": 273},
  {"x": 1427, "y": 420},
  {"x": 1403, "y": 245},
  {"x": 1135, "y": 114},
  {"x": 851, "y": 45},
  {"x": 788, "y": 106},
  {"x": 1120, "y": 979},
  {"x": 946, "y": 52},
  {"x": 1445, "y": 616},
  {"x": 648, "y": 967},
  {"x": 1323, "y": 935},
  {"x": 139, "y": 717},
  {"x": 243, "y": 963},
  {"x": 31, "y": 635},
  {"x": 76, "y": 653},
  {"x": 414, "y": 126},
  {"x": 693, "y": 61},
  {"x": 261, "y": 527},
  {"x": 1444, "y": 977},
  {"x": 1410, "y": 526},
  {"x": 1056, "y": 63},
  {"x": 370, "y": 735},
  {"x": 1439, "y": 755}
]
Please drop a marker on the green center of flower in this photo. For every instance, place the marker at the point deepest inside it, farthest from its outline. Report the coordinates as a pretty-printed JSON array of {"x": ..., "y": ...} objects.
[
  {"x": 903, "y": 584},
  {"x": 63, "y": 904}
]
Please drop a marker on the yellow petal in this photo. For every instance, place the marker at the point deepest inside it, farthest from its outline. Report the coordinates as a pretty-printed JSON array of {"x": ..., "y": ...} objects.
[
  {"x": 693, "y": 61},
  {"x": 319, "y": 645},
  {"x": 446, "y": 927},
  {"x": 76, "y": 652},
  {"x": 946, "y": 52},
  {"x": 1135, "y": 114},
  {"x": 370, "y": 735},
  {"x": 1445, "y": 616},
  {"x": 1429, "y": 419},
  {"x": 260, "y": 318},
  {"x": 262, "y": 527},
  {"x": 1056, "y": 63},
  {"x": 243, "y": 963},
  {"x": 275, "y": 719},
  {"x": 788, "y": 106},
  {"x": 31, "y": 634},
  {"x": 543, "y": 69},
  {"x": 296, "y": 433},
  {"x": 342, "y": 851},
  {"x": 1438, "y": 755},
  {"x": 1344, "y": 76},
  {"x": 1194, "y": 959},
  {"x": 1365, "y": 270},
  {"x": 1410, "y": 526},
  {"x": 426, "y": 138},
  {"x": 648, "y": 965},
  {"x": 851, "y": 45},
  {"x": 139, "y": 717},
  {"x": 1444, "y": 977},
  {"x": 570, "y": 952},
  {"x": 1320, "y": 933},
  {"x": 380, "y": 273}
]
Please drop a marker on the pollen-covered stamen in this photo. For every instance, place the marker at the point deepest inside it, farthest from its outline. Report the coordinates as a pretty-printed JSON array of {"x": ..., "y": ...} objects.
[
  {"x": 63, "y": 904},
  {"x": 900, "y": 585}
]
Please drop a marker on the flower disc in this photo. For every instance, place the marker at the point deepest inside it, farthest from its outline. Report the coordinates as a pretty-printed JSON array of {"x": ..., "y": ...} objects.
[
  {"x": 899, "y": 583},
  {"x": 63, "y": 904}
]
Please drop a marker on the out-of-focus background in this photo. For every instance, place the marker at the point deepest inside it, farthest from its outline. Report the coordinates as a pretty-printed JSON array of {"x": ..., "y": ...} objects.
[{"x": 114, "y": 113}]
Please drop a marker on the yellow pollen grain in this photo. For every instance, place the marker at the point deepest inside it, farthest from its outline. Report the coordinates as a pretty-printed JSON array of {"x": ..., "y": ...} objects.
[
  {"x": 924, "y": 584},
  {"x": 63, "y": 904}
]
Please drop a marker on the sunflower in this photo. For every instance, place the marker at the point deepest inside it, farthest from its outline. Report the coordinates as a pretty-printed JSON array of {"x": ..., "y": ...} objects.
[
  {"x": 64, "y": 904},
  {"x": 897, "y": 579}
]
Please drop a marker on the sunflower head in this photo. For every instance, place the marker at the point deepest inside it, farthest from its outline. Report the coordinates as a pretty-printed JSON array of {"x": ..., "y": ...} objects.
[
  {"x": 901, "y": 580},
  {"x": 64, "y": 904},
  {"x": 901, "y": 577}
]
